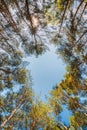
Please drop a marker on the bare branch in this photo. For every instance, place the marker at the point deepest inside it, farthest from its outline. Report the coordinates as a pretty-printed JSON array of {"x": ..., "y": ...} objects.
[
  {"x": 82, "y": 12},
  {"x": 78, "y": 9},
  {"x": 9, "y": 118},
  {"x": 81, "y": 36}
]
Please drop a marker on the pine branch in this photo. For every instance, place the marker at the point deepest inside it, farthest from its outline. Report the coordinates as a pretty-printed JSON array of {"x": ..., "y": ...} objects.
[
  {"x": 79, "y": 104},
  {"x": 5, "y": 39}
]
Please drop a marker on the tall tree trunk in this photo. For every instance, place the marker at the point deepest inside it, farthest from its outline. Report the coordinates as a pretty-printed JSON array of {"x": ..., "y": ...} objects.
[{"x": 8, "y": 16}]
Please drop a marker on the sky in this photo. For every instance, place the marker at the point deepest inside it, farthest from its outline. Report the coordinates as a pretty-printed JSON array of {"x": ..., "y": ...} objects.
[{"x": 47, "y": 70}]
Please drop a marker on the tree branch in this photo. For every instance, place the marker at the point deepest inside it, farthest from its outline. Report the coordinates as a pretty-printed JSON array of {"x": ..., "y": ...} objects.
[
  {"x": 11, "y": 115},
  {"x": 81, "y": 36},
  {"x": 9, "y": 118},
  {"x": 82, "y": 12},
  {"x": 64, "y": 15},
  {"x": 78, "y": 9}
]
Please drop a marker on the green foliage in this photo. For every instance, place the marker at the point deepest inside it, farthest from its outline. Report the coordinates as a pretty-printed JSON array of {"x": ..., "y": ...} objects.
[
  {"x": 18, "y": 37},
  {"x": 52, "y": 14},
  {"x": 8, "y": 128},
  {"x": 74, "y": 103},
  {"x": 40, "y": 116},
  {"x": 37, "y": 49},
  {"x": 21, "y": 75},
  {"x": 70, "y": 91}
]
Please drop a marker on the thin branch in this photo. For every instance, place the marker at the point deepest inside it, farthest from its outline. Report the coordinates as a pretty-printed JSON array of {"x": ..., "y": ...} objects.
[
  {"x": 82, "y": 12},
  {"x": 11, "y": 115},
  {"x": 65, "y": 127},
  {"x": 78, "y": 9},
  {"x": 6, "y": 41},
  {"x": 79, "y": 104},
  {"x": 81, "y": 36},
  {"x": 63, "y": 15},
  {"x": 9, "y": 118},
  {"x": 6, "y": 71}
]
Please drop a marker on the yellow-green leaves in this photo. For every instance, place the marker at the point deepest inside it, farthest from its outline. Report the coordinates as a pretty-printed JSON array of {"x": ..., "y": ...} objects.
[
  {"x": 41, "y": 116},
  {"x": 60, "y": 4},
  {"x": 86, "y": 1},
  {"x": 73, "y": 103},
  {"x": 78, "y": 120}
]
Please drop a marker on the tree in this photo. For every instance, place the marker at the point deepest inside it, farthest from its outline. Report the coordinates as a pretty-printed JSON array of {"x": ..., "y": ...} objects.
[
  {"x": 20, "y": 22},
  {"x": 73, "y": 88},
  {"x": 40, "y": 116},
  {"x": 12, "y": 111}
]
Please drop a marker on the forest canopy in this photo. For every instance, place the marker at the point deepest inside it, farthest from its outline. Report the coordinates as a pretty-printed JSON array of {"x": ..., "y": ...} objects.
[{"x": 23, "y": 24}]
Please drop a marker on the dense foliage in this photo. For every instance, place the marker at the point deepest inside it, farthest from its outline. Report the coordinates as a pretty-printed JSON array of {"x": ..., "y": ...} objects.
[{"x": 22, "y": 27}]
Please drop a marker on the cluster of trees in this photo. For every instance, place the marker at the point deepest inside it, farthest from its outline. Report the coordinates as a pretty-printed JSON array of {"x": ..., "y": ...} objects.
[
  {"x": 19, "y": 25},
  {"x": 72, "y": 43}
]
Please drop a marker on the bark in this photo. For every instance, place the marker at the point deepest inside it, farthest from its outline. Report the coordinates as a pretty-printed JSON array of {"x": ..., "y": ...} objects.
[
  {"x": 5, "y": 10},
  {"x": 8, "y": 16},
  {"x": 33, "y": 125},
  {"x": 28, "y": 13},
  {"x": 20, "y": 11},
  {"x": 30, "y": 18}
]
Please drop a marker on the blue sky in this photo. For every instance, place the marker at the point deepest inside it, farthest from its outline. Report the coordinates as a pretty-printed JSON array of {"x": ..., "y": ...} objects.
[{"x": 47, "y": 70}]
